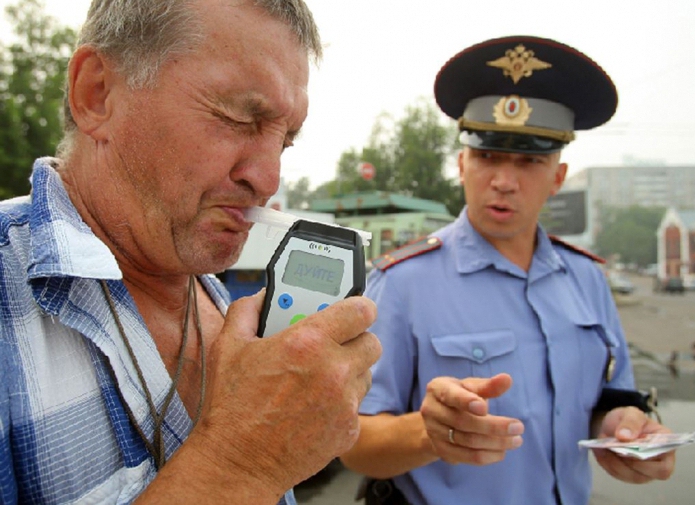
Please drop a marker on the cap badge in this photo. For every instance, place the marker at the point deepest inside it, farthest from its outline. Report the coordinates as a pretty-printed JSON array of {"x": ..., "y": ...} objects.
[
  {"x": 512, "y": 111},
  {"x": 519, "y": 62}
]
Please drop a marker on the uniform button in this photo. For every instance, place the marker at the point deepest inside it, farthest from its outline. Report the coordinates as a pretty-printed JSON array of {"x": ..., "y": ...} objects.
[
  {"x": 478, "y": 353},
  {"x": 557, "y": 411}
]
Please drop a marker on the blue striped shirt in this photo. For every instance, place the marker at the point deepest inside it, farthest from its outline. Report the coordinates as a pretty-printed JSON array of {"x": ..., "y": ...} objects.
[{"x": 65, "y": 436}]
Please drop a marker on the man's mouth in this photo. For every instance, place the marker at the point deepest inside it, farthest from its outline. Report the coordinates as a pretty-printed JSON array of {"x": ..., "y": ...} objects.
[
  {"x": 500, "y": 210},
  {"x": 236, "y": 215}
]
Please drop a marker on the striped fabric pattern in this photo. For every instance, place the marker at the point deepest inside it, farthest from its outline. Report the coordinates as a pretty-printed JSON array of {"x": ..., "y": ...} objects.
[{"x": 65, "y": 436}]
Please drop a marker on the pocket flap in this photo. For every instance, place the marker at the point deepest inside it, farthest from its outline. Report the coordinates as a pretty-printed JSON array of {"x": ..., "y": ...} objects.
[
  {"x": 478, "y": 347},
  {"x": 609, "y": 338}
]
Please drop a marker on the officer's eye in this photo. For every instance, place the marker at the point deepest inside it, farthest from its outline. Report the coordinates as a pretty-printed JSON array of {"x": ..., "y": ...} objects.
[{"x": 535, "y": 160}]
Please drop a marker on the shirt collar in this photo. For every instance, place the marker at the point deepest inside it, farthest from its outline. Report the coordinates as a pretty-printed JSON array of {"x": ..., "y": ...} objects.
[
  {"x": 62, "y": 244},
  {"x": 475, "y": 253},
  {"x": 546, "y": 259}
]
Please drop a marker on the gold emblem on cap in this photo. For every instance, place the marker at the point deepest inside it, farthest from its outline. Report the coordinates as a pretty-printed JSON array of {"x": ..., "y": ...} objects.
[
  {"x": 519, "y": 62},
  {"x": 512, "y": 111}
]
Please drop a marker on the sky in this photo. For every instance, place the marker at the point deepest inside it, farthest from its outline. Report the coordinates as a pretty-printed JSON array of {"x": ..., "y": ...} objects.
[{"x": 382, "y": 56}]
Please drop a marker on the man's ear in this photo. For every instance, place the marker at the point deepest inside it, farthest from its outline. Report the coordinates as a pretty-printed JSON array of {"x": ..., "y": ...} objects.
[
  {"x": 461, "y": 168},
  {"x": 560, "y": 175},
  {"x": 91, "y": 82}
]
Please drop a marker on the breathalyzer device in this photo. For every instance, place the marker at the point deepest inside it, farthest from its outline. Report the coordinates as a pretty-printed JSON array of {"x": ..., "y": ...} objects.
[{"x": 315, "y": 265}]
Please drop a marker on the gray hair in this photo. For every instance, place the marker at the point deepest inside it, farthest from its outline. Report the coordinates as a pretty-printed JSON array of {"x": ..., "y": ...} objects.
[{"x": 140, "y": 36}]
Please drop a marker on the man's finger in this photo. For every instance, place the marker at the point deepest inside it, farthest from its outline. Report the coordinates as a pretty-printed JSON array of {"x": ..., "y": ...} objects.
[
  {"x": 243, "y": 316},
  {"x": 469, "y": 394},
  {"x": 342, "y": 321},
  {"x": 363, "y": 351},
  {"x": 488, "y": 388}
]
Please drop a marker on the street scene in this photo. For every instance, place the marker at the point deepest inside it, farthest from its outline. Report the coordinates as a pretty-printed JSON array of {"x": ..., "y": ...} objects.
[
  {"x": 190, "y": 310},
  {"x": 659, "y": 326}
]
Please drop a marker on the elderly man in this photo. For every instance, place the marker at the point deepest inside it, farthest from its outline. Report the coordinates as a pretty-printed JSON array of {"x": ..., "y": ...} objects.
[{"x": 121, "y": 379}]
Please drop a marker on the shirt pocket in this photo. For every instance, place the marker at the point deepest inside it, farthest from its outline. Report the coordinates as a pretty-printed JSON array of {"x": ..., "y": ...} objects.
[
  {"x": 597, "y": 347},
  {"x": 483, "y": 354}
]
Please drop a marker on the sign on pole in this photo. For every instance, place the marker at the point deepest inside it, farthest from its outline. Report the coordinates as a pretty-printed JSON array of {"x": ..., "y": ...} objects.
[{"x": 367, "y": 171}]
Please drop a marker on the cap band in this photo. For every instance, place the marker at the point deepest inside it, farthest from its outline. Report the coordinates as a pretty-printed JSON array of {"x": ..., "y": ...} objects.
[
  {"x": 510, "y": 142},
  {"x": 531, "y": 116}
]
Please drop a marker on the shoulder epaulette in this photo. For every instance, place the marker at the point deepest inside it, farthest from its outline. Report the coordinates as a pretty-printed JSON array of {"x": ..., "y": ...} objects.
[
  {"x": 557, "y": 240},
  {"x": 415, "y": 248}
]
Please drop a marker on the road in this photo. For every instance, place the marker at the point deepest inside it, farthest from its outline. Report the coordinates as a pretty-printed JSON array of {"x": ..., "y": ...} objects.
[{"x": 656, "y": 324}]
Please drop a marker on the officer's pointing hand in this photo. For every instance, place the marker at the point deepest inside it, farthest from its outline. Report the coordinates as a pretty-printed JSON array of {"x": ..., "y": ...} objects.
[{"x": 460, "y": 428}]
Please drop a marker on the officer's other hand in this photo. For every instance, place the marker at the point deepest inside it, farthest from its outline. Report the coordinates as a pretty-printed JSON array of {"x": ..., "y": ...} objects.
[
  {"x": 479, "y": 438},
  {"x": 626, "y": 424},
  {"x": 284, "y": 406}
]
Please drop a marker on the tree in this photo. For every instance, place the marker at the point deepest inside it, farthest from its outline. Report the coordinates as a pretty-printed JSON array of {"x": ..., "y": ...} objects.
[
  {"x": 409, "y": 156},
  {"x": 630, "y": 233},
  {"x": 298, "y": 194},
  {"x": 32, "y": 73}
]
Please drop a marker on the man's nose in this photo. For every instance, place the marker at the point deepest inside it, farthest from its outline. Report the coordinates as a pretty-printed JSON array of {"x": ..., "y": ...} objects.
[
  {"x": 505, "y": 179},
  {"x": 260, "y": 168}
]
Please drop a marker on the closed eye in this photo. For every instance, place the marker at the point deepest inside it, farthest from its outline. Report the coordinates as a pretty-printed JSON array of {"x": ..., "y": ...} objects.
[
  {"x": 234, "y": 122},
  {"x": 290, "y": 138}
]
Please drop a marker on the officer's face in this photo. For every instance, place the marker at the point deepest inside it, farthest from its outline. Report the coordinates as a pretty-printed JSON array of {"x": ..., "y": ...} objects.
[{"x": 506, "y": 191}]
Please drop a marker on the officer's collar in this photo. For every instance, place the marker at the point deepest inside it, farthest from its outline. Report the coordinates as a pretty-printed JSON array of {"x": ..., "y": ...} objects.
[{"x": 475, "y": 253}]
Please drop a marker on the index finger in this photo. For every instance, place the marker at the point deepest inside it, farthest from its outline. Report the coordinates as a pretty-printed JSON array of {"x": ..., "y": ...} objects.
[
  {"x": 241, "y": 319},
  {"x": 452, "y": 392},
  {"x": 469, "y": 394}
]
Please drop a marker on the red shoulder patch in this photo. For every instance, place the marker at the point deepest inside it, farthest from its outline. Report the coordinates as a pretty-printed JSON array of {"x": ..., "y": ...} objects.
[
  {"x": 557, "y": 240},
  {"x": 415, "y": 248}
]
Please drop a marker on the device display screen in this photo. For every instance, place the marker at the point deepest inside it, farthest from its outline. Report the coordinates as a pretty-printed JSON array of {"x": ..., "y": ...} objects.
[{"x": 314, "y": 272}]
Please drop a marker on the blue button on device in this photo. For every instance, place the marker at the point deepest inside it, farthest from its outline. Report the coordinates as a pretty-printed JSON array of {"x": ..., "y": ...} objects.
[{"x": 285, "y": 301}]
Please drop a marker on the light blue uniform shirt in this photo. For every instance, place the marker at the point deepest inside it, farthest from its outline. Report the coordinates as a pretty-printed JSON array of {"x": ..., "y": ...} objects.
[
  {"x": 65, "y": 436},
  {"x": 466, "y": 311}
]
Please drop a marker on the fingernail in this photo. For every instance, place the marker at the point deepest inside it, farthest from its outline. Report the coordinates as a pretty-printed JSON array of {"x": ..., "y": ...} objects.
[
  {"x": 515, "y": 429},
  {"x": 516, "y": 442},
  {"x": 625, "y": 433},
  {"x": 477, "y": 407}
]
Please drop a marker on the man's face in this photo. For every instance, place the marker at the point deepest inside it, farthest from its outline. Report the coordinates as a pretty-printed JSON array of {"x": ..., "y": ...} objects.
[
  {"x": 190, "y": 154},
  {"x": 506, "y": 191}
]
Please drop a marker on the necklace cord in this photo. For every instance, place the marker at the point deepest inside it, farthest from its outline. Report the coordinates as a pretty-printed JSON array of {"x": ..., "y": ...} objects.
[{"x": 156, "y": 448}]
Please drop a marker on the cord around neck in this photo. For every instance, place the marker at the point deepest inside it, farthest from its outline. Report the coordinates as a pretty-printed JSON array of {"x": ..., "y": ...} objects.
[{"x": 156, "y": 447}]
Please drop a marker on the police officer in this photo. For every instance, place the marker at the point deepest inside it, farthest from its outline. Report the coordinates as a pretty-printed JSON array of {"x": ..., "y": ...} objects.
[{"x": 502, "y": 344}]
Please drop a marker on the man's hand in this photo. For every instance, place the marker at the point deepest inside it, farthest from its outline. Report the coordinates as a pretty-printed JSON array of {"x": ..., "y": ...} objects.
[
  {"x": 478, "y": 437},
  {"x": 281, "y": 407},
  {"x": 626, "y": 424}
]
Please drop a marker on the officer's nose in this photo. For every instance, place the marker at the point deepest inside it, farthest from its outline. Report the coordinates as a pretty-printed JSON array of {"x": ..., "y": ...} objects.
[{"x": 505, "y": 179}]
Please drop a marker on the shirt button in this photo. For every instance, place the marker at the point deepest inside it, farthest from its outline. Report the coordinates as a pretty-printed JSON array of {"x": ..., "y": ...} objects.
[{"x": 478, "y": 353}]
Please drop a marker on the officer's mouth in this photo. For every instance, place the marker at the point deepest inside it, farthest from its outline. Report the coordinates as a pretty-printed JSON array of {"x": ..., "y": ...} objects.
[{"x": 500, "y": 211}]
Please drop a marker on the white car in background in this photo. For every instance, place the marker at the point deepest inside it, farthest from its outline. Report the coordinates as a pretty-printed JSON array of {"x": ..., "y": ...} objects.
[{"x": 619, "y": 283}]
